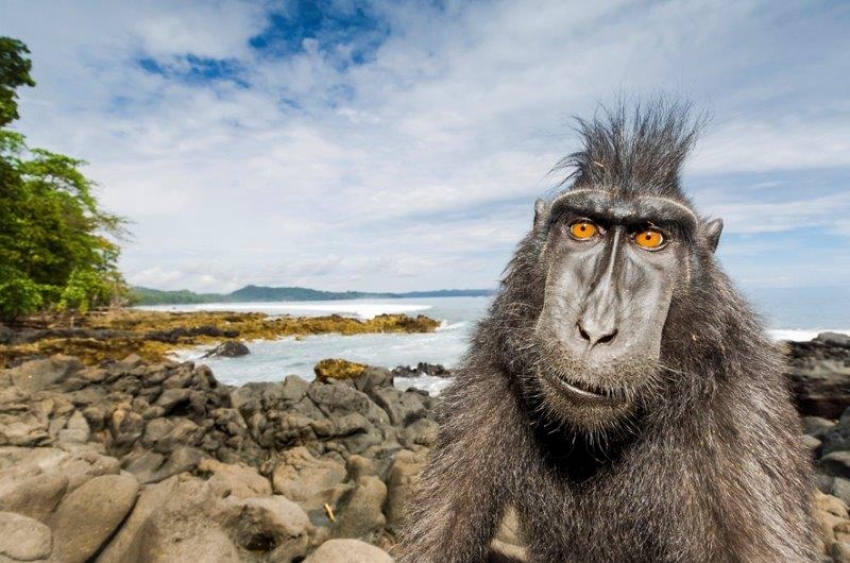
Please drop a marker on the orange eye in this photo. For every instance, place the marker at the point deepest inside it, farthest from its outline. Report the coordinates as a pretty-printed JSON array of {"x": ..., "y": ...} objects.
[
  {"x": 650, "y": 239},
  {"x": 583, "y": 230}
]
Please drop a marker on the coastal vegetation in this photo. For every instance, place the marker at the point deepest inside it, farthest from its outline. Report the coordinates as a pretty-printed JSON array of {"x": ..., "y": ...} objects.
[
  {"x": 58, "y": 247},
  {"x": 254, "y": 293}
]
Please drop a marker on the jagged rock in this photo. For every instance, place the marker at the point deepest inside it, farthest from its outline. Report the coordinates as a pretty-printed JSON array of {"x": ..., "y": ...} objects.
[
  {"x": 86, "y": 518},
  {"x": 228, "y": 349},
  {"x": 309, "y": 481},
  {"x": 819, "y": 375},
  {"x": 362, "y": 516},
  {"x": 402, "y": 484},
  {"x": 348, "y": 551},
  {"x": 38, "y": 375},
  {"x": 76, "y": 429},
  {"x": 402, "y": 407},
  {"x": 23, "y": 539}
]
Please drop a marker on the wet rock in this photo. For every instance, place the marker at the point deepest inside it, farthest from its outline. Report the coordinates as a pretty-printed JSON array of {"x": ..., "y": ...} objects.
[
  {"x": 228, "y": 349},
  {"x": 422, "y": 368}
]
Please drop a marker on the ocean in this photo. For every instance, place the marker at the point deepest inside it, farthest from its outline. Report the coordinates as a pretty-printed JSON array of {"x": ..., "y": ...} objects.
[{"x": 791, "y": 314}]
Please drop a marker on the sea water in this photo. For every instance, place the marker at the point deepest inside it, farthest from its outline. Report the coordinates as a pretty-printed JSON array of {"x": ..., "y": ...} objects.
[{"x": 791, "y": 314}]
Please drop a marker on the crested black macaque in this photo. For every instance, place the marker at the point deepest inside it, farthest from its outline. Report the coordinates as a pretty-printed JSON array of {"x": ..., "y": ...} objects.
[{"x": 619, "y": 395}]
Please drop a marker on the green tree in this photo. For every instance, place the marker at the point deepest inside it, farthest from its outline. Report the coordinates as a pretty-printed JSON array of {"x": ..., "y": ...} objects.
[{"x": 58, "y": 249}]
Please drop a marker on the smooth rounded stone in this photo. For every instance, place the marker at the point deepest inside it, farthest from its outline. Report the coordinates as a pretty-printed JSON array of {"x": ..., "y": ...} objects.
[
  {"x": 270, "y": 524},
  {"x": 22, "y": 538},
  {"x": 36, "y": 495},
  {"x": 152, "y": 467},
  {"x": 836, "y": 464},
  {"x": 348, "y": 551},
  {"x": 88, "y": 516},
  {"x": 54, "y": 471},
  {"x": 203, "y": 545},
  {"x": 236, "y": 480},
  {"x": 362, "y": 516},
  {"x": 125, "y": 544},
  {"x": 310, "y": 482}
]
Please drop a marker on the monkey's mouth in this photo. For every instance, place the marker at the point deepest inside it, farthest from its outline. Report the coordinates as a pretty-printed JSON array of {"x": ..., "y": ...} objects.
[{"x": 587, "y": 392}]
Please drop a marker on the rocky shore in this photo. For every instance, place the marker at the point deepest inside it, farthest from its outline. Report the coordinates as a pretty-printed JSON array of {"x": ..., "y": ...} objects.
[
  {"x": 151, "y": 335},
  {"x": 137, "y": 461}
]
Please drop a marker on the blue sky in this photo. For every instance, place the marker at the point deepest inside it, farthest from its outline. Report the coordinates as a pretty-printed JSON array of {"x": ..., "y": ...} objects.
[{"x": 395, "y": 145}]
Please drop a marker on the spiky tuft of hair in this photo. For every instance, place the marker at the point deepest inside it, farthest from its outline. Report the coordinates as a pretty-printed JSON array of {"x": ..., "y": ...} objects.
[{"x": 637, "y": 150}]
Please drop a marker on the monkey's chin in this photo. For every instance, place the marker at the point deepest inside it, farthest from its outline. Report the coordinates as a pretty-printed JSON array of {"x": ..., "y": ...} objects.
[{"x": 584, "y": 407}]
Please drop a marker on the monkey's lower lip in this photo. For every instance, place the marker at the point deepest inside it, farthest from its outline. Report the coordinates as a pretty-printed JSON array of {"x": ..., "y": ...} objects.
[{"x": 607, "y": 396}]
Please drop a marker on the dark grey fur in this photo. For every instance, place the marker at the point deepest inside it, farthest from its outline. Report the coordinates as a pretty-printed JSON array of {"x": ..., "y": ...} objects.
[{"x": 709, "y": 469}]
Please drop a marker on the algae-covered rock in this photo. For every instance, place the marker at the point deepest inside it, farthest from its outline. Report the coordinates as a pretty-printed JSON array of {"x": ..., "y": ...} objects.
[{"x": 335, "y": 368}]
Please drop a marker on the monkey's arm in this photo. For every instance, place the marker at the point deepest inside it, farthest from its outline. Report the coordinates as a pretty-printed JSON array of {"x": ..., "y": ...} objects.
[{"x": 468, "y": 481}]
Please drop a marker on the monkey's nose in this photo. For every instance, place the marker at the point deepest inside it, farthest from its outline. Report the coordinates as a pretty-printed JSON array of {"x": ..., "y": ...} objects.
[{"x": 594, "y": 333}]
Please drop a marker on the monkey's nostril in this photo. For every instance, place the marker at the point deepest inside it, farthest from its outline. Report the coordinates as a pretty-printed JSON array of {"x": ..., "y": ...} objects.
[
  {"x": 593, "y": 337},
  {"x": 607, "y": 338}
]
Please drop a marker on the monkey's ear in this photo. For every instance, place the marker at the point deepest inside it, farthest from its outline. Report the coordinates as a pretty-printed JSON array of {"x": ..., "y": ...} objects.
[
  {"x": 710, "y": 233},
  {"x": 541, "y": 213}
]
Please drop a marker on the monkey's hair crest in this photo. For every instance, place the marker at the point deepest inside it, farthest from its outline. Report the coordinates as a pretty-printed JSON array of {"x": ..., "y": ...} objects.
[{"x": 638, "y": 149}]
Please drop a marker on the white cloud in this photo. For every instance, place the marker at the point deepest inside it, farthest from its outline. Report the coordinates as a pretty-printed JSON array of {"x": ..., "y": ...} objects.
[{"x": 351, "y": 178}]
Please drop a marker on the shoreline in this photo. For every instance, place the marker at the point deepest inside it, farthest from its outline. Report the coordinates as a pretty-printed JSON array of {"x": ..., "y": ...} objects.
[{"x": 153, "y": 335}]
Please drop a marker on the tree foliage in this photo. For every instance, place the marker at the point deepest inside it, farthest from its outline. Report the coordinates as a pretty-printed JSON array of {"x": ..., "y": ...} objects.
[{"x": 58, "y": 248}]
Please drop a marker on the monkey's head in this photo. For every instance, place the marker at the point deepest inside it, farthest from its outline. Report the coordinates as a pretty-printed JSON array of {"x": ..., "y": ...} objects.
[{"x": 613, "y": 254}]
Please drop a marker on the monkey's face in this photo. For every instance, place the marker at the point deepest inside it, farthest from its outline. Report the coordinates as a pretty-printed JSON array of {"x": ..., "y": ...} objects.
[{"x": 612, "y": 266}]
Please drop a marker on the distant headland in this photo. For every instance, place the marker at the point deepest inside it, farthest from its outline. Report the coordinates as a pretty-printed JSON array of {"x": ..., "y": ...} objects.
[{"x": 254, "y": 293}]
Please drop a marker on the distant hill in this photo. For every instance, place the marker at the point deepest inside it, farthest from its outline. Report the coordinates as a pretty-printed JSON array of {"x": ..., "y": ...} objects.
[{"x": 254, "y": 293}]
